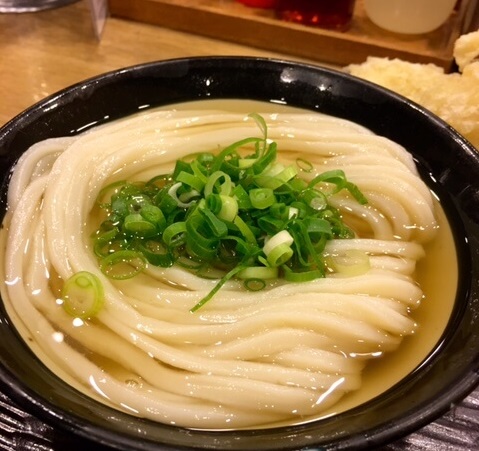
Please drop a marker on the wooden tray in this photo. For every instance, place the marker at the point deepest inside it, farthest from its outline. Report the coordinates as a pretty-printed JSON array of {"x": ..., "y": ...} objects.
[{"x": 232, "y": 21}]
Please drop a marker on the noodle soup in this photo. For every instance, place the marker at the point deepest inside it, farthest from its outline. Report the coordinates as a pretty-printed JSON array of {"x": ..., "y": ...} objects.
[{"x": 288, "y": 353}]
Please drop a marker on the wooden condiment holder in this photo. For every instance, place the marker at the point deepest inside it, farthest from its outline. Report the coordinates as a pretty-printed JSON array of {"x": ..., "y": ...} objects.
[{"x": 231, "y": 21}]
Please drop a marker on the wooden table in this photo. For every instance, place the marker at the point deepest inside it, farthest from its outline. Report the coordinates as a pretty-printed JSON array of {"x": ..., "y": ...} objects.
[{"x": 43, "y": 52}]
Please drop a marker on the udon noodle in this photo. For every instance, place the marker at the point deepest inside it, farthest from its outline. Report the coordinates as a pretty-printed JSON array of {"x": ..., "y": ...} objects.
[{"x": 246, "y": 359}]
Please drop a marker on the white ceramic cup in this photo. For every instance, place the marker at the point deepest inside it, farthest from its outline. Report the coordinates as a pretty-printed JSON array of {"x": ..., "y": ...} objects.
[{"x": 409, "y": 16}]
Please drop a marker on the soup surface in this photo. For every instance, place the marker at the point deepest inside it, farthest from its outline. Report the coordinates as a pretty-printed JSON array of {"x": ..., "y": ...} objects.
[{"x": 289, "y": 353}]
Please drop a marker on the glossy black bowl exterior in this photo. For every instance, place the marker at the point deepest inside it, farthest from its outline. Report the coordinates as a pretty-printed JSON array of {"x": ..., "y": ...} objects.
[{"x": 447, "y": 162}]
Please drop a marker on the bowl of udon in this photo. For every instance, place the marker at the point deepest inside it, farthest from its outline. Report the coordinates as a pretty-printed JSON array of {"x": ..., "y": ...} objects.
[{"x": 237, "y": 253}]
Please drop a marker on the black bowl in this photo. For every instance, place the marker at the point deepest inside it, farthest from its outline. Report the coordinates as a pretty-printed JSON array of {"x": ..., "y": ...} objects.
[{"x": 447, "y": 162}]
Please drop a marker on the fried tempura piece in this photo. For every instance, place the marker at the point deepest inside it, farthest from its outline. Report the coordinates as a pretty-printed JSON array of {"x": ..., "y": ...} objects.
[{"x": 453, "y": 97}]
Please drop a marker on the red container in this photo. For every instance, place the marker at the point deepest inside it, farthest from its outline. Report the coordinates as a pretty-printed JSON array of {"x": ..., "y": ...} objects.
[
  {"x": 267, "y": 4},
  {"x": 331, "y": 14}
]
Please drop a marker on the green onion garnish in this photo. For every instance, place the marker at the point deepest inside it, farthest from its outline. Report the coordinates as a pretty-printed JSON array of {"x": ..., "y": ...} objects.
[
  {"x": 82, "y": 295},
  {"x": 351, "y": 263},
  {"x": 240, "y": 212},
  {"x": 123, "y": 264}
]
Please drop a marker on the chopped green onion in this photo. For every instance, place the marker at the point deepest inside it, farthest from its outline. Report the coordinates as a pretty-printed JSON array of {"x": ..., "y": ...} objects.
[
  {"x": 244, "y": 163},
  {"x": 279, "y": 255},
  {"x": 242, "y": 197},
  {"x": 258, "y": 272},
  {"x": 214, "y": 202},
  {"x": 159, "y": 181},
  {"x": 293, "y": 212},
  {"x": 225, "y": 207},
  {"x": 219, "y": 182},
  {"x": 262, "y": 198},
  {"x": 265, "y": 160},
  {"x": 137, "y": 225},
  {"x": 191, "y": 180},
  {"x": 123, "y": 264},
  {"x": 216, "y": 226},
  {"x": 199, "y": 241},
  {"x": 165, "y": 202},
  {"x": 228, "y": 276},
  {"x": 156, "y": 254},
  {"x": 315, "y": 199},
  {"x": 244, "y": 229},
  {"x": 203, "y": 159},
  {"x": 173, "y": 192},
  {"x": 229, "y": 208},
  {"x": 82, "y": 295},
  {"x": 103, "y": 242},
  {"x": 261, "y": 123},
  {"x": 232, "y": 150},
  {"x": 278, "y": 248},
  {"x": 301, "y": 275},
  {"x": 237, "y": 214},
  {"x": 270, "y": 225},
  {"x": 106, "y": 193},
  {"x": 352, "y": 263},
  {"x": 254, "y": 284},
  {"x": 283, "y": 237},
  {"x": 338, "y": 177},
  {"x": 154, "y": 215},
  {"x": 304, "y": 165},
  {"x": 279, "y": 210},
  {"x": 174, "y": 234}
]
